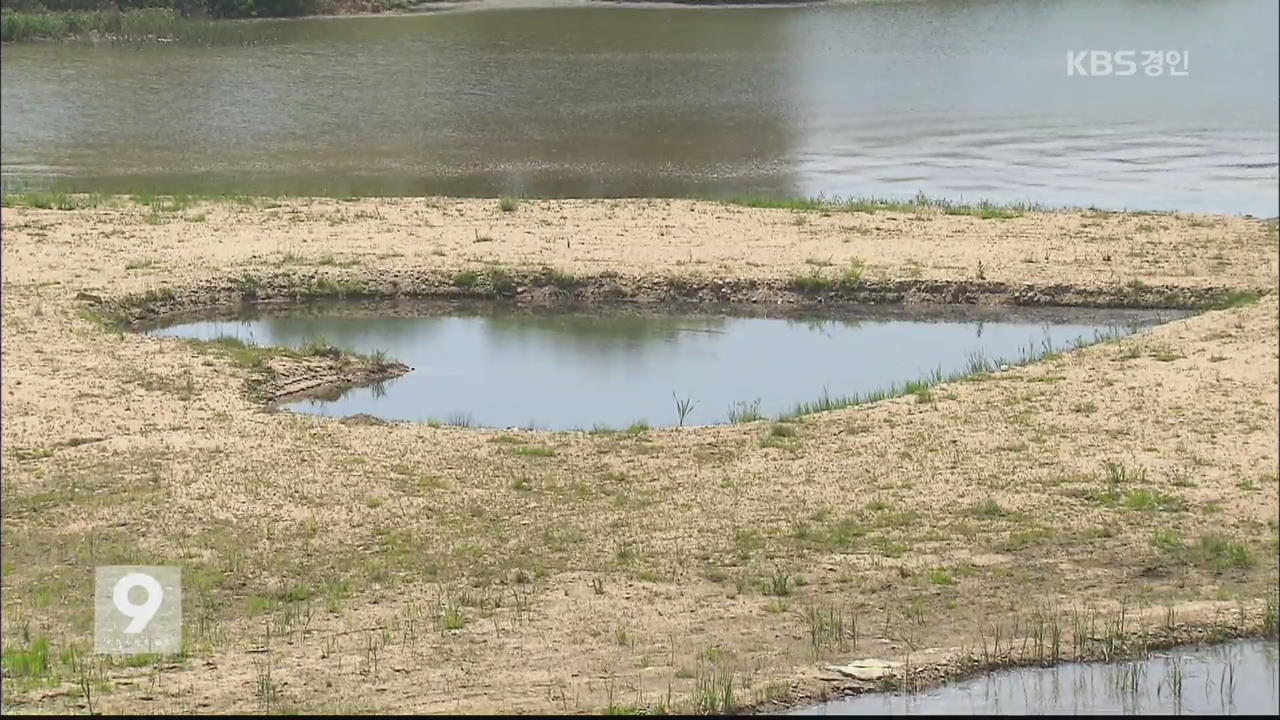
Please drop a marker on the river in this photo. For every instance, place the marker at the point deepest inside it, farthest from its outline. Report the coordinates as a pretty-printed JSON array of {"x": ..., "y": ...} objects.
[{"x": 963, "y": 99}]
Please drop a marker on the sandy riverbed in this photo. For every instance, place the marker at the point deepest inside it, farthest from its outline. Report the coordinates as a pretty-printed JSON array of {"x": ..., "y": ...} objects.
[{"x": 632, "y": 569}]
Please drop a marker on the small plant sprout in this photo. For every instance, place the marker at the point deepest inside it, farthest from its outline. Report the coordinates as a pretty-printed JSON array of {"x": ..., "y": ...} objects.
[
  {"x": 743, "y": 412},
  {"x": 683, "y": 407}
]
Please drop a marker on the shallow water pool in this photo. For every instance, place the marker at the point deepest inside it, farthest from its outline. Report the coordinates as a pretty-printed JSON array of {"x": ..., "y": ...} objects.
[{"x": 503, "y": 367}]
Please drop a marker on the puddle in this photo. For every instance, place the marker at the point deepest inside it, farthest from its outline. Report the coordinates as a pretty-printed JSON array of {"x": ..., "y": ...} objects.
[
  {"x": 1233, "y": 678},
  {"x": 499, "y": 366}
]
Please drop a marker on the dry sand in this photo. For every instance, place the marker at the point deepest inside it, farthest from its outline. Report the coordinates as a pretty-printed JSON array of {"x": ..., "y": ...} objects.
[{"x": 324, "y": 559}]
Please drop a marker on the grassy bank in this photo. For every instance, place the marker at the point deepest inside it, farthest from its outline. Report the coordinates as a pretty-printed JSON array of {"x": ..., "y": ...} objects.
[
  {"x": 133, "y": 26},
  {"x": 192, "y": 22},
  {"x": 920, "y": 204},
  {"x": 58, "y": 200}
]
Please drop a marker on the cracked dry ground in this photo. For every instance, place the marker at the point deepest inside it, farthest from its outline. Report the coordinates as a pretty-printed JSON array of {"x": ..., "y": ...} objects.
[{"x": 410, "y": 568}]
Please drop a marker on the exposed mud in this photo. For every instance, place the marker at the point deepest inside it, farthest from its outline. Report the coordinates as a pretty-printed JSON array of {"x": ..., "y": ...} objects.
[
  {"x": 321, "y": 377},
  {"x": 537, "y": 289},
  {"x": 435, "y": 306}
]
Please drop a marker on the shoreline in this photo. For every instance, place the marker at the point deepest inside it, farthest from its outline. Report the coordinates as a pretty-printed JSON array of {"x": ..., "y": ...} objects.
[
  {"x": 638, "y": 571},
  {"x": 327, "y": 375},
  {"x": 968, "y": 667},
  {"x": 428, "y": 306}
]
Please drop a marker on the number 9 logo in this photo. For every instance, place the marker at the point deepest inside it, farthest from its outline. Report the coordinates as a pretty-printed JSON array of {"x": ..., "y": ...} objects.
[{"x": 140, "y": 615}]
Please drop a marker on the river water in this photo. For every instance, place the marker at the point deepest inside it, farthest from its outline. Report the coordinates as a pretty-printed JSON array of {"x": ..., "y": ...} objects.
[{"x": 964, "y": 99}]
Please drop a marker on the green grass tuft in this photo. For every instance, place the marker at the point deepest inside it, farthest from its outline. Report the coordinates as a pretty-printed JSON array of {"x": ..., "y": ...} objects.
[
  {"x": 782, "y": 430},
  {"x": 1221, "y": 552},
  {"x": 940, "y": 577},
  {"x": 501, "y": 282},
  {"x": 1235, "y": 299},
  {"x": 988, "y": 509},
  {"x": 560, "y": 279},
  {"x": 1168, "y": 541},
  {"x": 453, "y": 618},
  {"x": 745, "y": 412},
  {"x": 466, "y": 279},
  {"x": 27, "y": 661}
]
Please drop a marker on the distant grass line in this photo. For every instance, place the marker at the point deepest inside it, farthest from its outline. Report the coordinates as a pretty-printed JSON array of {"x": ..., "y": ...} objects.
[
  {"x": 21, "y": 195},
  {"x": 978, "y": 364},
  {"x": 984, "y": 209},
  {"x": 59, "y": 200},
  {"x": 141, "y": 25},
  {"x": 54, "y": 199}
]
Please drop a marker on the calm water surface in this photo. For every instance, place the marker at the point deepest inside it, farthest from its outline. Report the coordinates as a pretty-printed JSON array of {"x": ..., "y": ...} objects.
[
  {"x": 1231, "y": 679},
  {"x": 508, "y": 368},
  {"x": 964, "y": 99}
]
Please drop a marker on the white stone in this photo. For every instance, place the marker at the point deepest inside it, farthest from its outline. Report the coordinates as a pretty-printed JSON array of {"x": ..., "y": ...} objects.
[{"x": 869, "y": 669}]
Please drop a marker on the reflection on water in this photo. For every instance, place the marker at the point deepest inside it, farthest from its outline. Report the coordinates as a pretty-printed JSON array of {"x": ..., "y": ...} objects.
[
  {"x": 1235, "y": 678},
  {"x": 957, "y": 98},
  {"x": 564, "y": 370}
]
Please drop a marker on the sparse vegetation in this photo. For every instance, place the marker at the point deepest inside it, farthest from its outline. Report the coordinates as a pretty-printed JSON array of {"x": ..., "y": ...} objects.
[
  {"x": 984, "y": 209},
  {"x": 144, "y": 24},
  {"x": 1168, "y": 541},
  {"x": 1222, "y": 553},
  {"x": 779, "y": 584},
  {"x": 818, "y": 281},
  {"x": 453, "y": 618},
  {"x": 52, "y": 200},
  {"x": 560, "y": 279},
  {"x": 501, "y": 282},
  {"x": 745, "y": 412},
  {"x": 683, "y": 407},
  {"x": 782, "y": 430},
  {"x": 940, "y": 577},
  {"x": 534, "y": 451},
  {"x": 460, "y": 419},
  {"x": 978, "y": 366},
  {"x": 916, "y": 522},
  {"x": 28, "y": 660},
  {"x": 987, "y": 509},
  {"x": 257, "y": 358},
  {"x": 1144, "y": 499},
  {"x": 1236, "y": 299}
]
